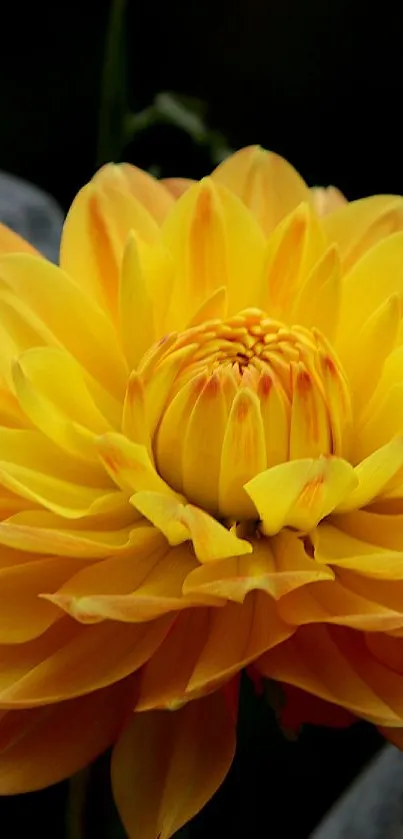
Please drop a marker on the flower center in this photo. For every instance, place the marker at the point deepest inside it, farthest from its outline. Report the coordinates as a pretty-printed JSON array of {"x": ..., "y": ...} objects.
[{"x": 248, "y": 393}]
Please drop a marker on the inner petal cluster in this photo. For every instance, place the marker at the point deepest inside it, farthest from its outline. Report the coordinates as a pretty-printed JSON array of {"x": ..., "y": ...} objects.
[{"x": 250, "y": 393}]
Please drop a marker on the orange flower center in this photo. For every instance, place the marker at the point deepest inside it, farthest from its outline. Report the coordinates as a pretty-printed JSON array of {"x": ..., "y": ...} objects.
[{"x": 251, "y": 393}]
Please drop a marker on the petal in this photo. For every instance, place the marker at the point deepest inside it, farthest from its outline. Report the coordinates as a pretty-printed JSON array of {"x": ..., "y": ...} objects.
[
  {"x": 11, "y": 242},
  {"x": 300, "y": 493},
  {"x": 335, "y": 664},
  {"x": 151, "y": 193},
  {"x": 374, "y": 476},
  {"x": 138, "y": 587},
  {"x": 371, "y": 281},
  {"x": 327, "y": 199},
  {"x": 291, "y": 253},
  {"x": 374, "y": 528},
  {"x": 43, "y": 532},
  {"x": 134, "y": 420},
  {"x": 214, "y": 241},
  {"x": 58, "y": 303},
  {"x": 265, "y": 182},
  {"x": 203, "y": 445},
  {"x": 179, "y": 522},
  {"x": 129, "y": 465},
  {"x": 276, "y": 566},
  {"x": 274, "y": 408},
  {"x": 363, "y": 555},
  {"x": 318, "y": 301},
  {"x": 95, "y": 233},
  {"x": 41, "y": 746},
  {"x": 310, "y": 434},
  {"x": 136, "y": 316},
  {"x": 206, "y": 647},
  {"x": 177, "y": 186},
  {"x": 243, "y": 455},
  {"x": 157, "y": 755},
  {"x": 359, "y": 225},
  {"x": 70, "y": 660}
]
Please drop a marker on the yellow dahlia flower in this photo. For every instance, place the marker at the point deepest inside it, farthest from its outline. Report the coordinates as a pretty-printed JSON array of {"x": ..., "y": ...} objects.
[{"x": 201, "y": 468}]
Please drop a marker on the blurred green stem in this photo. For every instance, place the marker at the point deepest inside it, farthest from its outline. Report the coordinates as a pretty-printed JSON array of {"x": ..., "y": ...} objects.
[
  {"x": 113, "y": 97},
  {"x": 78, "y": 785}
]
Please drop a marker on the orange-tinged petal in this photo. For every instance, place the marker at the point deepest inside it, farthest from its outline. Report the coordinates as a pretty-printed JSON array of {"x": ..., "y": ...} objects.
[
  {"x": 166, "y": 766},
  {"x": 374, "y": 476},
  {"x": 309, "y": 426},
  {"x": 11, "y": 242},
  {"x": 300, "y": 493},
  {"x": 177, "y": 186},
  {"x": 95, "y": 233},
  {"x": 335, "y": 664},
  {"x": 134, "y": 419},
  {"x": 359, "y": 225},
  {"x": 203, "y": 444},
  {"x": 374, "y": 528},
  {"x": 179, "y": 522},
  {"x": 327, "y": 199},
  {"x": 136, "y": 316},
  {"x": 243, "y": 454},
  {"x": 129, "y": 465},
  {"x": 158, "y": 383},
  {"x": 318, "y": 301},
  {"x": 151, "y": 193},
  {"x": 276, "y": 566},
  {"x": 214, "y": 241},
  {"x": 70, "y": 660},
  {"x": 206, "y": 647},
  {"x": 291, "y": 252},
  {"x": 23, "y": 615},
  {"x": 41, "y": 746},
  {"x": 335, "y": 547},
  {"x": 58, "y": 302},
  {"x": 265, "y": 182},
  {"x": 275, "y": 413},
  {"x": 335, "y": 602}
]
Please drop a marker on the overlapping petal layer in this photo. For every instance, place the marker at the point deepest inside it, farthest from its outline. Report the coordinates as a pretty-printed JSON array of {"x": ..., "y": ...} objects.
[{"x": 201, "y": 468}]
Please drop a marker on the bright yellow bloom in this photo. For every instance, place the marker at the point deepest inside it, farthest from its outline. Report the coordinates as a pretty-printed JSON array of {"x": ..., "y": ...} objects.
[{"x": 201, "y": 466}]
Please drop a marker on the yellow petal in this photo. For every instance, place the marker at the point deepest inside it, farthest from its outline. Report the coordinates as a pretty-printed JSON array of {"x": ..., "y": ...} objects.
[
  {"x": 266, "y": 183},
  {"x": 375, "y": 528},
  {"x": 65, "y": 662},
  {"x": 179, "y": 522},
  {"x": 335, "y": 547},
  {"x": 374, "y": 474},
  {"x": 215, "y": 306},
  {"x": 157, "y": 755},
  {"x": 276, "y": 566},
  {"x": 58, "y": 303},
  {"x": 135, "y": 306},
  {"x": 134, "y": 420},
  {"x": 243, "y": 454},
  {"x": 129, "y": 465},
  {"x": 11, "y": 242},
  {"x": 299, "y": 493},
  {"x": 291, "y": 253},
  {"x": 334, "y": 663},
  {"x": 309, "y": 427},
  {"x": 359, "y": 225},
  {"x": 318, "y": 300},
  {"x": 177, "y": 186},
  {"x": 72, "y": 740},
  {"x": 203, "y": 444},
  {"x": 95, "y": 232},
  {"x": 206, "y": 647},
  {"x": 327, "y": 199},
  {"x": 151, "y": 193},
  {"x": 214, "y": 241}
]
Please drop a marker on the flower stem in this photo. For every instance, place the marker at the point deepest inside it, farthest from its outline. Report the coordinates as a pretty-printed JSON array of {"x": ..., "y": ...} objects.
[
  {"x": 76, "y": 805},
  {"x": 113, "y": 98}
]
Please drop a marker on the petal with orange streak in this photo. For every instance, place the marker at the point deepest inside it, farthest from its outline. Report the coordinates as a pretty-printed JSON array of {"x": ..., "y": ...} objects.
[
  {"x": 268, "y": 185},
  {"x": 70, "y": 660},
  {"x": 95, "y": 232},
  {"x": 166, "y": 766},
  {"x": 276, "y": 566},
  {"x": 41, "y": 746},
  {"x": 359, "y": 225},
  {"x": 152, "y": 194},
  {"x": 177, "y": 186},
  {"x": 11, "y": 242},
  {"x": 58, "y": 303},
  {"x": 335, "y": 664},
  {"x": 206, "y": 647}
]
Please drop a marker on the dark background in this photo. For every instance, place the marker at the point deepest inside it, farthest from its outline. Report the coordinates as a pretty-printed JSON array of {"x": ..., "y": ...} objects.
[{"x": 319, "y": 82}]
